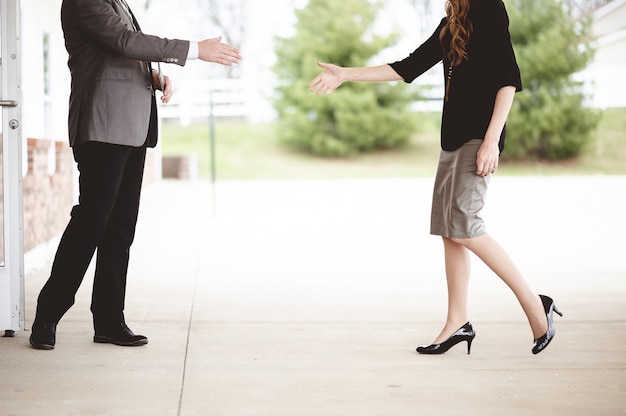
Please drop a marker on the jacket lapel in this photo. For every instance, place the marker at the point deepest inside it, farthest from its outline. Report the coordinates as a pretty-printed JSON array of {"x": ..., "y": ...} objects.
[{"x": 129, "y": 14}]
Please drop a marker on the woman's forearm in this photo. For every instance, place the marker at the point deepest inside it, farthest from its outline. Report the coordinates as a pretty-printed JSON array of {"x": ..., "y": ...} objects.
[
  {"x": 502, "y": 106},
  {"x": 380, "y": 73},
  {"x": 334, "y": 75}
]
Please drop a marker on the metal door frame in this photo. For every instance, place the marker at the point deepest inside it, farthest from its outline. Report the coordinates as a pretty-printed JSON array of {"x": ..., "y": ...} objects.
[{"x": 10, "y": 105}]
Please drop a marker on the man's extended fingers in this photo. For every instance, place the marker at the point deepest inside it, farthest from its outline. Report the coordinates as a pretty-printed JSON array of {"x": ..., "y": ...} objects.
[
  {"x": 212, "y": 50},
  {"x": 227, "y": 60}
]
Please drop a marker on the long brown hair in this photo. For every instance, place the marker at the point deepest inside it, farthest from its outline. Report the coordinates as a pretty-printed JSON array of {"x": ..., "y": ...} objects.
[{"x": 459, "y": 27}]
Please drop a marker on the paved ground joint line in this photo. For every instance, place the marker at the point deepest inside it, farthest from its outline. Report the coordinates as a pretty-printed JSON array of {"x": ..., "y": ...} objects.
[{"x": 193, "y": 304}]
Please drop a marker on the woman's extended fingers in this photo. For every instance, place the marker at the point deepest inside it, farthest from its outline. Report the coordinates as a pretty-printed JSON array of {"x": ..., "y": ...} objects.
[
  {"x": 317, "y": 85},
  {"x": 327, "y": 81}
]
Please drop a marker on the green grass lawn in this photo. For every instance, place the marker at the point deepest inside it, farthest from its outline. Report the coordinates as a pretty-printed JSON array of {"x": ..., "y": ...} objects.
[{"x": 252, "y": 151}]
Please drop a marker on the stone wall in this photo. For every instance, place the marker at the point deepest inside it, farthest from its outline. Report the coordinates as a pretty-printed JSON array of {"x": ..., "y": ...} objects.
[{"x": 48, "y": 197}]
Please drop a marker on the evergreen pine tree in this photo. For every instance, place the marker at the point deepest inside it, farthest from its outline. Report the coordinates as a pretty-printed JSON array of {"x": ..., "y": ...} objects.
[
  {"x": 549, "y": 119},
  {"x": 357, "y": 117}
]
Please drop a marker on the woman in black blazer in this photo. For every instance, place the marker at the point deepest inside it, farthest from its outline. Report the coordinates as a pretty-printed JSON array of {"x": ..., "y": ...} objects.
[{"x": 481, "y": 77}]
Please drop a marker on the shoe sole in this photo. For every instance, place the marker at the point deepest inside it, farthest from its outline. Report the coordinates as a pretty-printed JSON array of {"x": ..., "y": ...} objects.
[
  {"x": 41, "y": 346},
  {"x": 106, "y": 340}
]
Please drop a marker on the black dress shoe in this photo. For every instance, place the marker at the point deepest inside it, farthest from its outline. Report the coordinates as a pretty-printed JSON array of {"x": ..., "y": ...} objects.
[
  {"x": 43, "y": 336},
  {"x": 120, "y": 335}
]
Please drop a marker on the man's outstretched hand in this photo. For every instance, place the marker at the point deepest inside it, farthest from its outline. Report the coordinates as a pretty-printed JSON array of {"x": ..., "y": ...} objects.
[{"x": 213, "y": 50}]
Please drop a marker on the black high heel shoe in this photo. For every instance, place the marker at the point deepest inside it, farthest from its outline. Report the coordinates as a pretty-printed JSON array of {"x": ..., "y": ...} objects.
[
  {"x": 549, "y": 307},
  {"x": 465, "y": 333}
]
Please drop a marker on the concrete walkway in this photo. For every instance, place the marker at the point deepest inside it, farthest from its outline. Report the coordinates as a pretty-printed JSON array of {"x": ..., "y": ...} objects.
[{"x": 303, "y": 298}]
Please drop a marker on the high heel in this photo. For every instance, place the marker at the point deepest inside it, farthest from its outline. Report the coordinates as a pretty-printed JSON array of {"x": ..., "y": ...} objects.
[
  {"x": 465, "y": 333},
  {"x": 549, "y": 307}
]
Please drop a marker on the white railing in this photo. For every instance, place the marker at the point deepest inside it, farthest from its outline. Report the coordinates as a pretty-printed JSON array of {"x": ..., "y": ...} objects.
[{"x": 226, "y": 98}]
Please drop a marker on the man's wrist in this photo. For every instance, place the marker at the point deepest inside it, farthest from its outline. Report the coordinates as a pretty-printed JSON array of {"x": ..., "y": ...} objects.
[{"x": 193, "y": 50}]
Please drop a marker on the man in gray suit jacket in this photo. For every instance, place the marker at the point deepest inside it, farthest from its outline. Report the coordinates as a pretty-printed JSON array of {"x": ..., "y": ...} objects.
[{"x": 112, "y": 120}]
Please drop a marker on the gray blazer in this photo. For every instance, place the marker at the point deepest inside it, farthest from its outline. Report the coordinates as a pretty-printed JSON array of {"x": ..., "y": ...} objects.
[{"x": 112, "y": 98}]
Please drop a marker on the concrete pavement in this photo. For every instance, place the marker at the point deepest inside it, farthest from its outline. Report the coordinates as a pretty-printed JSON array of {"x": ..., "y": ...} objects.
[{"x": 309, "y": 298}]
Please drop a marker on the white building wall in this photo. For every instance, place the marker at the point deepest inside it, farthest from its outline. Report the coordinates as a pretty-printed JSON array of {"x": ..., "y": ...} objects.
[
  {"x": 41, "y": 17},
  {"x": 604, "y": 75}
]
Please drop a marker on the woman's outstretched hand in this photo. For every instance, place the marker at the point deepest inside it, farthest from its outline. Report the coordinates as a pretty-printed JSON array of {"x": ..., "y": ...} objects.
[{"x": 328, "y": 80}]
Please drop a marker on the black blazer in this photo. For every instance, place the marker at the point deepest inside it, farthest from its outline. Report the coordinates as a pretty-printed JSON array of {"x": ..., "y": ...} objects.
[{"x": 491, "y": 65}]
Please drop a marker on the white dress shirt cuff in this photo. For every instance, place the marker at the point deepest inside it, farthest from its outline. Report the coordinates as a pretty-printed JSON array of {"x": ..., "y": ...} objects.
[{"x": 193, "y": 50}]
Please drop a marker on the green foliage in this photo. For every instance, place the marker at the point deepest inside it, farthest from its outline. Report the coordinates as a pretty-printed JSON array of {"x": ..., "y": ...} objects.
[
  {"x": 354, "y": 118},
  {"x": 252, "y": 151},
  {"x": 549, "y": 119}
]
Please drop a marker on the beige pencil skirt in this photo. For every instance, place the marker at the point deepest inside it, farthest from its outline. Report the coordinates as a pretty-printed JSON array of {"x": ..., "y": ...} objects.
[{"x": 459, "y": 194}]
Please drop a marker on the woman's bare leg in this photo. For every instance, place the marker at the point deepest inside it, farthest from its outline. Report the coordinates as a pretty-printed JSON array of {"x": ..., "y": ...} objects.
[
  {"x": 458, "y": 267},
  {"x": 494, "y": 256}
]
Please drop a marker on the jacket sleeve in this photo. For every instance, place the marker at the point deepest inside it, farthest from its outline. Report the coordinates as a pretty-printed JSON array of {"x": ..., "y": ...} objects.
[
  {"x": 100, "y": 21},
  {"x": 500, "y": 57},
  {"x": 422, "y": 59}
]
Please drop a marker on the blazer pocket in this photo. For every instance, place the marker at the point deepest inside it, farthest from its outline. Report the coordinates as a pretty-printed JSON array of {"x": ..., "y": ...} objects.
[
  {"x": 115, "y": 73},
  {"x": 123, "y": 69}
]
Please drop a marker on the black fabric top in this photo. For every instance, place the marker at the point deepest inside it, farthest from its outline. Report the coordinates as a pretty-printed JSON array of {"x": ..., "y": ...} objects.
[{"x": 474, "y": 83}]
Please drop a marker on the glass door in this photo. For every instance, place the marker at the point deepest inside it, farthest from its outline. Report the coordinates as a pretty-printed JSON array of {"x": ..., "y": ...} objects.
[{"x": 11, "y": 223}]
